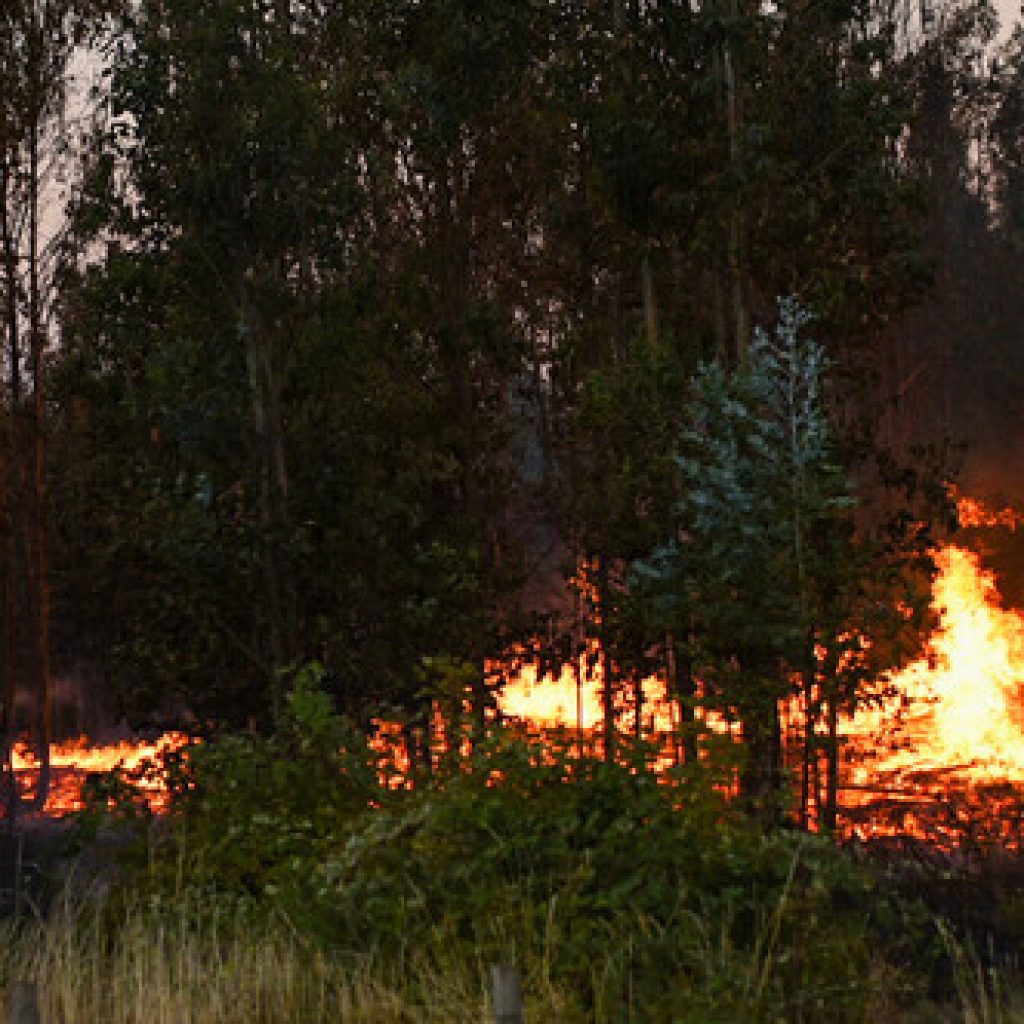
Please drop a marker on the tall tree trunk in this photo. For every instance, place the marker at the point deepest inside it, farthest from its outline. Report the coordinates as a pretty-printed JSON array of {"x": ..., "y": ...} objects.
[
  {"x": 10, "y": 258},
  {"x": 267, "y": 474},
  {"x": 684, "y": 694},
  {"x": 39, "y": 572},
  {"x": 604, "y": 647},
  {"x": 761, "y": 781},
  {"x": 9, "y": 798},
  {"x": 830, "y": 814},
  {"x": 638, "y": 717},
  {"x": 650, "y": 298},
  {"x": 735, "y": 257},
  {"x": 8, "y": 794},
  {"x": 720, "y": 255},
  {"x": 809, "y": 753}
]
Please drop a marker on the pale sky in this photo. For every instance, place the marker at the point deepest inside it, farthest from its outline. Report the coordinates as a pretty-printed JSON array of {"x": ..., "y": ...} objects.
[
  {"x": 1009, "y": 13},
  {"x": 86, "y": 73}
]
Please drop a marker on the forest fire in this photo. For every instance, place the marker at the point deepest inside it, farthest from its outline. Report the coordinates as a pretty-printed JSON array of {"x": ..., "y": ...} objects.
[
  {"x": 954, "y": 725},
  {"x": 944, "y": 757},
  {"x": 71, "y": 763},
  {"x": 964, "y": 713}
]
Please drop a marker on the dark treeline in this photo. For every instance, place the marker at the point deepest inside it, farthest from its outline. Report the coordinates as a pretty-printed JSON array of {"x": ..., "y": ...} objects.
[{"x": 373, "y": 323}]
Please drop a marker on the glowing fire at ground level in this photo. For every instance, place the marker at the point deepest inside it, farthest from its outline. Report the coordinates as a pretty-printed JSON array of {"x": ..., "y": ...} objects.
[
  {"x": 72, "y": 763},
  {"x": 959, "y": 729},
  {"x": 955, "y": 725}
]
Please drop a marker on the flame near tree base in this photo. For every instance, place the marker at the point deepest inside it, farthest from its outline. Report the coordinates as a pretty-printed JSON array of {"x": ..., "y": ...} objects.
[
  {"x": 965, "y": 716},
  {"x": 944, "y": 760},
  {"x": 940, "y": 761}
]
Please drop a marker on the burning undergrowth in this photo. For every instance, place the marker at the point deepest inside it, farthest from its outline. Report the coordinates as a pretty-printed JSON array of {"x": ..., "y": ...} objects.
[
  {"x": 492, "y": 853},
  {"x": 941, "y": 761},
  {"x": 77, "y": 765}
]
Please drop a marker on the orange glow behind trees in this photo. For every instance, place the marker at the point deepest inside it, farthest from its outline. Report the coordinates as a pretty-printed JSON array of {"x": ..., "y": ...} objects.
[{"x": 955, "y": 721}]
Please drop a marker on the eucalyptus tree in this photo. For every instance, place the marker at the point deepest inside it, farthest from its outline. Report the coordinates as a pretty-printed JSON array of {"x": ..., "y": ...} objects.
[
  {"x": 726, "y": 154},
  {"x": 779, "y": 596},
  {"x": 226, "y": 188},
  {"x": 296, "y": 360}
]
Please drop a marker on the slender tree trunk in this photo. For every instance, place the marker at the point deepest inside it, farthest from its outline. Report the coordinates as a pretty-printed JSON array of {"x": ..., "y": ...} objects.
[
  {"x": 650, "y": 299},
  {"x": 638, "y": 716},
  {"x": 10, "y": 258},
  {"x": 683, "y": 693},
  {"x": 720, "y": 263},
  {"x": 687, "y": 688},
  {"x": 263, "y": 458},
  {"x": 830, "y": 814},
  {"x": 735, "y": 257},
  {"x": 40, "y": 579},
  {"x": 578, "y": 677},
  {"x": 478, "y": 724},
  {"x": 761, "y": 781},
  {"x": 604, "y": 641},
  {"x": 9, "y": 798},
  {"x": 675, "y": 705},
  {"x": 809, "y": 753},
  {"x": 9, "y": 793}
]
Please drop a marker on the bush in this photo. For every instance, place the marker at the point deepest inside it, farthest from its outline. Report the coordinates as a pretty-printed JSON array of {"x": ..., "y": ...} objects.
[{"x": 622, "y": 896}]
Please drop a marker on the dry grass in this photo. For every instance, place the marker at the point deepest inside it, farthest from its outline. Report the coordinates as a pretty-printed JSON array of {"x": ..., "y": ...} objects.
[
  {"x": 196, "y": 961},
  {"x": 205, "y": 965},
  {"x": 201, "y": 962}
]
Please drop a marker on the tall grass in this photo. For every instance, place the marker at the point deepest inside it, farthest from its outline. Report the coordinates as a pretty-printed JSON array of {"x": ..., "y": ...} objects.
[
  {"x": 213, "y": 964},
  {"x": 192, "y": 960},
  {"x": 986, "y": 995}
]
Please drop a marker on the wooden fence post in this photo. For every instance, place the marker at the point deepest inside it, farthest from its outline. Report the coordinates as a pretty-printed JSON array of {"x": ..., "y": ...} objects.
[
  {"x": 24, "y": 1003},
  {"x": 507, "y": 994}
]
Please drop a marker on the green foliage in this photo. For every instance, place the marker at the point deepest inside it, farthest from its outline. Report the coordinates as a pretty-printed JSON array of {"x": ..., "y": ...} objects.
[
  {"x": 603, "y": 870},
  {"x": 772, "y": 585},
  {"x": 758, "y": 478},
  {"x": 287, "y": 429},
  {"x": 250, "y": 810},
  {"x": 623, "y": 894},
  {"x": 360, "y": 251}
]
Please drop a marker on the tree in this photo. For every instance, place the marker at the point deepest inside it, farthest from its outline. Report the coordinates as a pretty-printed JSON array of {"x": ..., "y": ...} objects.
[
  {"x": 38, "y": 39},
  {"x": 296, "y": 362},
  {"x": 763, "y": 566},
  {"x": 704, "y": 177}
]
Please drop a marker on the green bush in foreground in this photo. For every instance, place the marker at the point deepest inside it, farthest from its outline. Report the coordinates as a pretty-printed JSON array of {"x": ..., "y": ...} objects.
[{"x": 620, "y": 897}]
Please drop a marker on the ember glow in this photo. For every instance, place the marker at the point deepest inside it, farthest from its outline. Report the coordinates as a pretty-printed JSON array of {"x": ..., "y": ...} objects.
[
  {"x": 71, "y": 763},
  {"x": 955, "y": 724}
]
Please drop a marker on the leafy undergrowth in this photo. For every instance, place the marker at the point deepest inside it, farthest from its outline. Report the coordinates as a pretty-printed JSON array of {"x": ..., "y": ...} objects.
[{"x": 288, "y": 885}]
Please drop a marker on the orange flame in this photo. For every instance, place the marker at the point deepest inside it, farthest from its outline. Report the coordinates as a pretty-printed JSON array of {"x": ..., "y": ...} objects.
[
  {"x": 957, "y": 719},
  {"x": 72, "y": 762},
  {"x": 964, "y": 714},
  {"x": 972, "y": 513}
]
